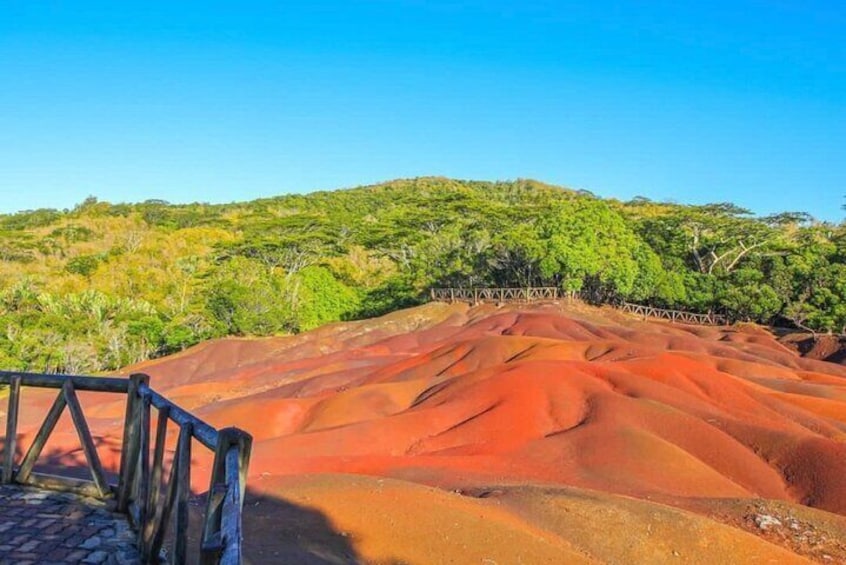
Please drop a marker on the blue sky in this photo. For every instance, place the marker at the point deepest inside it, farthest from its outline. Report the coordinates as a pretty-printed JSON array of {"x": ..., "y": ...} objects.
[{"x": 741, "y": 101}]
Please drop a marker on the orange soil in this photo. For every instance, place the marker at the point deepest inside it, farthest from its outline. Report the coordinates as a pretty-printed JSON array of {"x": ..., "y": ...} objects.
[{"x": 641, "y": 422}]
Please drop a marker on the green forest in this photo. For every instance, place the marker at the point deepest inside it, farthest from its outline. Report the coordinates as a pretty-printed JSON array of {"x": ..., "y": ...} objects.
[{"x": 104, "y": 285}]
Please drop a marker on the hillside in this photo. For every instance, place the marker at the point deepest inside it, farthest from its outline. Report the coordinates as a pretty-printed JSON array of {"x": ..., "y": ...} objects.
[
  {"x": 105, "y": 285},
  {"x": 514, "y": 434}
]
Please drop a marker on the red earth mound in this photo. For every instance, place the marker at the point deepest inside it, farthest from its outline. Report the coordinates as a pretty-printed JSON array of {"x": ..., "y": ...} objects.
[
  {"x": 830, "y": 348},
  {"x": 672, "y": 427}
]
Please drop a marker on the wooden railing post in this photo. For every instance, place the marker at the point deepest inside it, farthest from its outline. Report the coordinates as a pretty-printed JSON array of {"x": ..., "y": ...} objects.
[
  {"x": 11, "y": 445},
  {"x": 153, "y": 492},
  {"x": 183, "y": 482},
  {"x": 131, "y": 440},
  {"x": 141, "y": 481},
  {"x": 176, "y": 497},
  {"x": 221, "y": 539},
  {"x": 237, "y": 463}
]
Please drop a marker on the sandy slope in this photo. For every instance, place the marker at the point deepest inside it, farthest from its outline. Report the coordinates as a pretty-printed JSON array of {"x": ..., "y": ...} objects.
[
  {"x": 574, "y": 435},
  {"x": 389, "y": 521}
]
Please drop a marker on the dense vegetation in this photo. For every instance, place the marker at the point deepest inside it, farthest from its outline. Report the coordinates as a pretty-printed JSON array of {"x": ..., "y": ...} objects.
[{"x": 104, "y": 285}]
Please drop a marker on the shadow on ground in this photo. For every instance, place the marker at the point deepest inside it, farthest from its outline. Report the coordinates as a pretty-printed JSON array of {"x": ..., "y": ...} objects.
[{"x": 277, "y": 531}]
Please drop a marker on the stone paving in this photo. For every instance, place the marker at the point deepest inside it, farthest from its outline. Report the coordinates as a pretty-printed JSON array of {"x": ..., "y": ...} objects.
[{"x": 52, "y": 528}]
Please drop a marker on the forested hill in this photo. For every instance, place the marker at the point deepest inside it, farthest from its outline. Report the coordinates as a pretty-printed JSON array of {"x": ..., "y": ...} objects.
[{"x": 104, "y": 285}]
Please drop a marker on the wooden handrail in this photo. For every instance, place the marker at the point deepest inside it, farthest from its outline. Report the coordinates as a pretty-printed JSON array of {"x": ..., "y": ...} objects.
[
  {"x": 138, "y": 491},
  {"x": 41, "y": 380},
  {"x": 202, "y": 432}
]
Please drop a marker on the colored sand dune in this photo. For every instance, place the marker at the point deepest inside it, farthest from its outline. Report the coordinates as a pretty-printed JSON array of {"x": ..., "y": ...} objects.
[{"x": 546, "y": 434}]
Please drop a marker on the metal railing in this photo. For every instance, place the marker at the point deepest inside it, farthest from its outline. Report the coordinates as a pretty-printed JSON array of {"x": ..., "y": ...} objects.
[{"x": 151, "y": 504}]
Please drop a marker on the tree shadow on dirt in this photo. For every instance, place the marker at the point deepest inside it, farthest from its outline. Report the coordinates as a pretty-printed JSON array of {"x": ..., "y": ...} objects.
[{"x": 277, "y": 531}]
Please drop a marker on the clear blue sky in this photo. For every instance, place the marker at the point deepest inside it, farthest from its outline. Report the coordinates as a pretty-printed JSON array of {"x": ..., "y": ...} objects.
[{"x": 740, "y": 101}]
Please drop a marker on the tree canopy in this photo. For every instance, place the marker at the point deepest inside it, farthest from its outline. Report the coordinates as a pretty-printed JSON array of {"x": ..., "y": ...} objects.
[{"x": 104, "y": 285}]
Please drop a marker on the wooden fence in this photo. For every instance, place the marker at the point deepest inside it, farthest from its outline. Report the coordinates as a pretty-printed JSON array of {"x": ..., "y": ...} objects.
[
  {"x": 477, "y": 295},
  {"x": 152, "y": 505},
  {"x": 534, "y": 294},
  {"x": 643, "y": 311}
]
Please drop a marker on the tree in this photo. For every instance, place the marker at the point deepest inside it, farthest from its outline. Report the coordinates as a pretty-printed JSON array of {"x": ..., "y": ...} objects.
[
  {"x": 131, "y": 281},
  {"x": 749, "y": 297},
  {"x": 584, "y": 238},
  {"x": 323, "y": 299},
  {"x": 84, "y": 265}
]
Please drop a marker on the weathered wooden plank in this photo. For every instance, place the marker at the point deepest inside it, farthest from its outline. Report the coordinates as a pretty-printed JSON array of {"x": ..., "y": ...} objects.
[
  {"x": 152, "y": 500},
  {"x": 134, "y": 512},
  {"x": 244, "y": 441},
  {"x": 162, "y": 518},
  {"x": 99, "y": 384},
  {"x": 142, "y": 477},
  {"x": 41, "y": 438},
  {"x": 204, "y": 433},
  {"x": 84, "y": 433},
  {"x": 10, "y": 446},
  {"x": 158, "y": 456},
  {"x": 237, "y": 461},
  {"x": 230, "y": 524},
  {"x": 213, "y": 546},
  {"x": 212, "y": 542},
  {"x": 131, "y": 441},
  {"x": 65, "y": 484},
  {"x": 183, "y": 484},
  {"x": 214, "y": 501}
]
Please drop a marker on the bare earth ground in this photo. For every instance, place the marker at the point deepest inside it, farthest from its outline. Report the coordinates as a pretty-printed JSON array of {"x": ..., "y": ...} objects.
[
  {"x": 542, "y": 434},
  {"x": 824, "y": 347}
]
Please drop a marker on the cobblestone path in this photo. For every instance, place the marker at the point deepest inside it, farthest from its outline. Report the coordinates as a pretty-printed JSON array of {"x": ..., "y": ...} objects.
[{"x": 44, "y": 527}]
